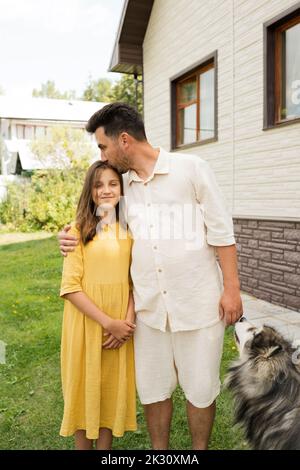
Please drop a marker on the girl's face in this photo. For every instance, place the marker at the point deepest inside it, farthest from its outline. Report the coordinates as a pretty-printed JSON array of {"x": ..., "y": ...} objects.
[{"x": 106, "y": 192}]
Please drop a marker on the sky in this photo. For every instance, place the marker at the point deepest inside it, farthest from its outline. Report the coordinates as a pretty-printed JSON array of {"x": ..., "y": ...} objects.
[{"x": 60, "y": 40}]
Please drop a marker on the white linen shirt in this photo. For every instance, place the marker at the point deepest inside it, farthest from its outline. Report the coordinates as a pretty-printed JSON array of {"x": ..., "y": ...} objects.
[{"x": 176, "y": 217}]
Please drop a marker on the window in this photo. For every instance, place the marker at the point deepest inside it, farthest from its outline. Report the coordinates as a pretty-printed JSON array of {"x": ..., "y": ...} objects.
[
  {"x": 29, "y": 132},
  {"x": 287, "y": 79},
  {"x": 20, "y": 131},
  {"x": 194, "y": 105},
  {"x": 282, "y": 69},
  {"x": 40, "y": 132}
]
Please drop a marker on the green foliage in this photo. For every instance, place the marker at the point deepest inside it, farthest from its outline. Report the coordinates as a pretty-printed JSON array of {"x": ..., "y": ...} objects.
[
  {"x": 49, "y": 90},
  {"x": 98, "y": 90},
  {"x": 31, "y": 403},
  {"x": 13, "y": 209},
  {"x": 64, "y": 146},
  {"x": 49, "y": 199},
  {"x": 53, "y": 198},
  {"x": 129, "y": 90}
]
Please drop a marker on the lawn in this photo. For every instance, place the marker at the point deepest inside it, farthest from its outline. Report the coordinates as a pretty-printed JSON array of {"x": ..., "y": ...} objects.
[{"x": 30, "y": 392}]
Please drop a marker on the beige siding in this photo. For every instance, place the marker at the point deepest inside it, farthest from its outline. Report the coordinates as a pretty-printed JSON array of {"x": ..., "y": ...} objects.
[{"x": 258, "y": 170}]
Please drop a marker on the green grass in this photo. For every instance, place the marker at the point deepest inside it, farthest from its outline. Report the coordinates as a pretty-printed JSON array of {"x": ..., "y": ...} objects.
[{"x": 30, "y": 392}]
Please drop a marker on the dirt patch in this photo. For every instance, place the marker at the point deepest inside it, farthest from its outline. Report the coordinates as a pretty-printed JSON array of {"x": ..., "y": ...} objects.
[{"x": 15, "y": 237}]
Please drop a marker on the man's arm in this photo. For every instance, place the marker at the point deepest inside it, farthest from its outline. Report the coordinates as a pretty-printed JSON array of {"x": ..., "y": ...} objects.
[
  {"x": 67, "y": 243},
  {"x": 231, "y": 307}
]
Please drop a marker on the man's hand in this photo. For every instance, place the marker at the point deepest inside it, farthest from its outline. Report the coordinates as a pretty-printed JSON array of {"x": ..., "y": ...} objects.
[
  {"x": 67, "y": 242},
  {"x": 230, "y": 306}
]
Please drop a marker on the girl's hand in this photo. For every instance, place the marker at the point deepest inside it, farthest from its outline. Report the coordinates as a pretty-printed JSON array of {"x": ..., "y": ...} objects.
[
  {"x": 111, "y": 342},
  {"x": 121, "y": 329}
]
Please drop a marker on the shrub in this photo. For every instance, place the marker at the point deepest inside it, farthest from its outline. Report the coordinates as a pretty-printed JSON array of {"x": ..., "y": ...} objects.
[{"x": 49, "y": 199}]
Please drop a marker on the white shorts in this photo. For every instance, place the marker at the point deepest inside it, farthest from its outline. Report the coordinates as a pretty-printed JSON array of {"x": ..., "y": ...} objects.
[{"x": 190, "y": 358}]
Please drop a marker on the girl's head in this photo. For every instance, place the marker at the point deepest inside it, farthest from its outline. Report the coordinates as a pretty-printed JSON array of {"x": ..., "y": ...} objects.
[{"x": 102, "y": 189}]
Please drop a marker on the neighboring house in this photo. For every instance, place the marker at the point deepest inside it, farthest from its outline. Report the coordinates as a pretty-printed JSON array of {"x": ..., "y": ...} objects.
[
  {"x": 22, "y": 121},
  {"x": 222, "y": 80}
]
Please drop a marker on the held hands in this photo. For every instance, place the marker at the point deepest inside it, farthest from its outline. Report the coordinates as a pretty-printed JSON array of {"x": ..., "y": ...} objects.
[
  {"x": 119, "y": 331},
  {"x": 67, "y": 242},
  {"x": 230, "y": 306}
]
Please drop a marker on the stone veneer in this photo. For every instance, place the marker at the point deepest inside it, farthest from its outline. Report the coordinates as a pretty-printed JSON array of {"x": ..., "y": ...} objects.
[{"x": 269, "y": 260}]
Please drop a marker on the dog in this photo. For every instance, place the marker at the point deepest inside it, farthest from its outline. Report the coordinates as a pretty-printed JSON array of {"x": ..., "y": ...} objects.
[{"x": 265, "y": 382}]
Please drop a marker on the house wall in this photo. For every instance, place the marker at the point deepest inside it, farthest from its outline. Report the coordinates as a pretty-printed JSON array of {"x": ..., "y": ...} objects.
[{"x": 259, "y": 171}]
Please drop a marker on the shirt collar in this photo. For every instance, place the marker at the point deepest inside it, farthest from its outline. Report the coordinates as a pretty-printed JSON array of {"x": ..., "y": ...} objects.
[{"x": 161, "y": 167}]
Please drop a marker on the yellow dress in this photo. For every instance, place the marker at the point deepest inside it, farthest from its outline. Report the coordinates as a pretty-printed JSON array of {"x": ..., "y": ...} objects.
[{"x": 98, "y": 384}]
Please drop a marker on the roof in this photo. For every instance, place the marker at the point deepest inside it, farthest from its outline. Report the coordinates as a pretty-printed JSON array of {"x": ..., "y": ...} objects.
[
  {"x": 48, "y": 109},
  {"x": 127, "y": 55}
]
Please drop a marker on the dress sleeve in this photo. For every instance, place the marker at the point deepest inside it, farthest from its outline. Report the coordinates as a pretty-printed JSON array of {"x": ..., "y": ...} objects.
[
  {"x": 72, "y": 269},
  {"x": 218, "y": 222}
]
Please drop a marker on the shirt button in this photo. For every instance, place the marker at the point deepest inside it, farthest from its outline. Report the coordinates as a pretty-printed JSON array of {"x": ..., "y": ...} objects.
[
  {"x": 148, "y": 204},
  {"x": 165, "y": 292},
  {"x": 145, "y": 184},
  {"x": 160, "y": 270},
  {"x": 151, "y": 226},
  {"x": 155, "y": 247}
]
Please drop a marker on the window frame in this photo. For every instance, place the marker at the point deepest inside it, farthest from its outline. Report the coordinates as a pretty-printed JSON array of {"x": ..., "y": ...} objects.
[
  {"x": 273, "y": 67},
  {"x": 195, "y": 70}
]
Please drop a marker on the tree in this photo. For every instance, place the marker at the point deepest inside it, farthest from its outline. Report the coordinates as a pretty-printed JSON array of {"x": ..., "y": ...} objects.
[
  {"x": 49, "y": 90},
  {"x": 98, "y": 90},
  {"x": 129, "y": 90}
]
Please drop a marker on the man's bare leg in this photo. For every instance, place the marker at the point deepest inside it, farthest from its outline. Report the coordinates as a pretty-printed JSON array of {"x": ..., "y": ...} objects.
[
  {"x": 159, "y": 417},
  {"x": 200, "y": 423},
  {"x": 81, "y": 441}
]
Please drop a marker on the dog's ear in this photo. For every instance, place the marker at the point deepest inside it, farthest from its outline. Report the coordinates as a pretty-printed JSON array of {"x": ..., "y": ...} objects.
[{"x": 273, "y": 350}]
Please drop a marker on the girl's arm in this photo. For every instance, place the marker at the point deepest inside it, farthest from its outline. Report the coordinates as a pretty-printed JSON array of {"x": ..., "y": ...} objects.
[
  {"x": 120, "y": 329},
  {"x": 130, "y": 315}
]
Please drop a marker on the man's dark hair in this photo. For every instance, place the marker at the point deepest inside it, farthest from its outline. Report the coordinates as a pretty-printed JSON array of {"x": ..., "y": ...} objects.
[{"x": 116, "y": 118}]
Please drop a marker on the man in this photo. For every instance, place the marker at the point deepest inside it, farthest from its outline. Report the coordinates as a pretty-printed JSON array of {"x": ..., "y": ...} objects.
[{"x": 181, "y": 302}]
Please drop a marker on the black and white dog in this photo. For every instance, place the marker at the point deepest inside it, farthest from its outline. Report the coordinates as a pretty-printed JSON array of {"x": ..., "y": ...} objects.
[{"x": 265, "y": 382}]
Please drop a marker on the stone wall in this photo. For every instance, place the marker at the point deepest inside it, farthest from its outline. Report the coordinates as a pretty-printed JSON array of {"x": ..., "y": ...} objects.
[{"x": 269, "y": 260}]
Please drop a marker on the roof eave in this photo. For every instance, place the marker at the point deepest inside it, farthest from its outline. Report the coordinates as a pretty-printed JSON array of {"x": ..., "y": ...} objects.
[{"x": 127, "y": 56}]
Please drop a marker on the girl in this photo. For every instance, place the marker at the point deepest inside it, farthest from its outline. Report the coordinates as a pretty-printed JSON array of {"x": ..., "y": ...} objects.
[{"x": 97, "y": 346}]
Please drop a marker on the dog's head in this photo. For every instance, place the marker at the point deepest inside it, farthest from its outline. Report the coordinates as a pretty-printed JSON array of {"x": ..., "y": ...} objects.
[
  {"x": 264, "y": 359},
  {"x": 261, "y": 343},
  {"x": 265, "y": 381}
]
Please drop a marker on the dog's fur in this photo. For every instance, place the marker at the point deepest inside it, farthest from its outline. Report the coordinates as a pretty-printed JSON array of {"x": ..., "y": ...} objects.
[{"x": 265, "y": 382}]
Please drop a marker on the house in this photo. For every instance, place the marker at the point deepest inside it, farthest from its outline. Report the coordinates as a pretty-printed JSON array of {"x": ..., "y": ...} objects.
[
  {"x": 22, "y": 121},
  {"x": 222, "y": 80}
]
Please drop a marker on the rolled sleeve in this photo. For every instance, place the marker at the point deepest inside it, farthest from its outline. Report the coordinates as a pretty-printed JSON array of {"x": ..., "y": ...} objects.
[
  {"x": 72, "y": 269},
  {"x": 218, "y": 222}
]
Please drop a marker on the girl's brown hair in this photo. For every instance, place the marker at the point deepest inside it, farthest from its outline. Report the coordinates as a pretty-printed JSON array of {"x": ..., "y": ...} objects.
[{"x": 86, "y": 218}]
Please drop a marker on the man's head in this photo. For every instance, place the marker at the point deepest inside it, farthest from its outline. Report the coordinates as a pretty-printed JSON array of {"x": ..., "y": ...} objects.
[{"x": 117, "y": 128}]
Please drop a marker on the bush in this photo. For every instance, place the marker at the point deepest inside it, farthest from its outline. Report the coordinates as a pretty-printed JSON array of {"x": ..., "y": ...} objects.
[
  {"x": 47, "y": 202},
  {"x": 13, "y": 209},
  {"x": 49, "y": 199},
  {"x": 53, "y": 199}
]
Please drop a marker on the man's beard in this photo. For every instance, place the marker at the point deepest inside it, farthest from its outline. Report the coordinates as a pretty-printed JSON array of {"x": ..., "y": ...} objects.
[{"x": 123, "y": 167}]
